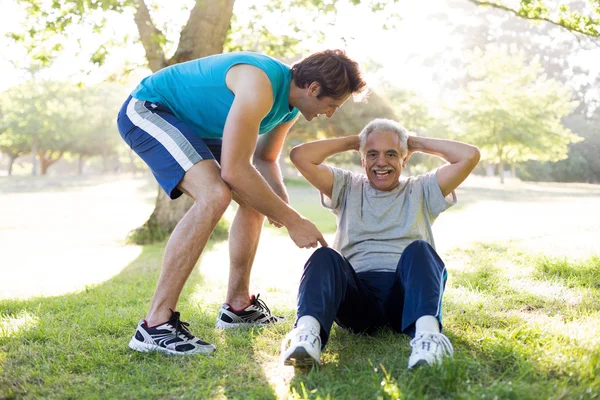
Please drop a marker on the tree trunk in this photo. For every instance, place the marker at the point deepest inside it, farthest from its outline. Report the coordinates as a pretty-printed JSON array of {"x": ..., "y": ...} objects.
[
  {"x": 500, "y": 163},
  {"x": 204, "y": 34},
  {"x": 43, "y": 167},
  {"x": 34, "y": 151},
  {"x": 46, "y": 162},
  {"x": 11, "y": 162},
  {"x": 513, "y": 170},
  {"x": 80, "y": 165}
]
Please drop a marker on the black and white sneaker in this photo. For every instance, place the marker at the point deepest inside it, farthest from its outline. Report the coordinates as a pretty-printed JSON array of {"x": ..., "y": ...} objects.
[
  {"x": 257, "y": 313},
  {"x": 172, "y": 337}
]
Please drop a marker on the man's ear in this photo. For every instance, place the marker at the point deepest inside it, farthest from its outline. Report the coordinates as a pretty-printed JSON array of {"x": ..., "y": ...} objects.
[
  {"x": 362, "y": 161},
  {"x": 314, "y": 89}
]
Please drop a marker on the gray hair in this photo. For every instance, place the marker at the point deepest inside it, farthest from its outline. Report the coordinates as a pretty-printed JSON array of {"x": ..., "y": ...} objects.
[{"x": 384, "y": 125}]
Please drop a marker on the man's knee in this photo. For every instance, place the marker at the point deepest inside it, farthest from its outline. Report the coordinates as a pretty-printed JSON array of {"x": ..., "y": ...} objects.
[
  {"x": 204, "y": 184},
  {"x": 422, "y": 252},
  {"x": 221, "y": 197},
  {"x": 419, "y": 246},
  {"x": 323, "y": 257}
]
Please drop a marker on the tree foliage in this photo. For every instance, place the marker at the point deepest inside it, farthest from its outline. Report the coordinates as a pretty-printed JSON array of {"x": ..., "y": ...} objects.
[
  {"x": 512, "y": 111},
  {"x": 568, "y": 15},
  {"x": 207, "y": 29},
  {"x": 54, "y": 119}
]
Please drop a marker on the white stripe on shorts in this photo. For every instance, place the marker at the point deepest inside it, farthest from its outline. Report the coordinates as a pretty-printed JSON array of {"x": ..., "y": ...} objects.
[{"x": 159, "y": 134}]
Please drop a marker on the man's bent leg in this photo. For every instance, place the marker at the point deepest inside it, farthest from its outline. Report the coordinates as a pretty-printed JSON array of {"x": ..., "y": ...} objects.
[
  {"x": 329, "y": 291},
  {"x": 212, "y": 196},
  {"x": 421, "y": 278},
  {"x": 240, "y": 309},
  {"x": 244, "y": 236}
]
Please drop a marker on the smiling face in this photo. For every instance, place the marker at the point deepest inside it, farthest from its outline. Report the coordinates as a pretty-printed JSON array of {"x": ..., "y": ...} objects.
[
  {"x": 382, "y": 160},
  {"x": 311, "y": 106}
]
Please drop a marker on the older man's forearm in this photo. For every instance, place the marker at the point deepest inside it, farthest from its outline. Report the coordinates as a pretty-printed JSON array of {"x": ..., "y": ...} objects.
[
  {"x": 318, "y": 151},
  {"x": 450, "y": 150}
]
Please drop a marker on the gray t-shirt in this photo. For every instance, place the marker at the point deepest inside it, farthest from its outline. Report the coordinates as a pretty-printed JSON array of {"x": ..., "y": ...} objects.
[{"x": 374, "y": 227}]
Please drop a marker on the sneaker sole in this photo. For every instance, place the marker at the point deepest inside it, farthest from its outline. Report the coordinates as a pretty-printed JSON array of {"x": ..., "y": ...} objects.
[
  {"x": 147, "y": 347},
  {"x": 229, "y": 325},
  {"x": 419, "y": 364},
  {"x": 300, "y": 358}
]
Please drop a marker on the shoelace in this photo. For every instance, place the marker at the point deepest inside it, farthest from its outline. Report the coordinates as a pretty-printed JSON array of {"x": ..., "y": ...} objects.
[
  {"x": 180, "y": 326},
  {"x": 287, "y": 341},
  {"x": 437, "y": 338},
  {"x": 260, "y": 304}
]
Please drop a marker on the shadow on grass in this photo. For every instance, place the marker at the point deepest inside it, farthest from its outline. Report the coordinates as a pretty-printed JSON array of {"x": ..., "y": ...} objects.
[
  {"x": 75, "y": 346},
  {"x": 508, "y": 362},
  {"x": 503, "y": 347}
]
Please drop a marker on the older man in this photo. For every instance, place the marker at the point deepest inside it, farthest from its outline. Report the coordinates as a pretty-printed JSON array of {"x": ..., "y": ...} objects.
[{"x": 384, "y": 270}]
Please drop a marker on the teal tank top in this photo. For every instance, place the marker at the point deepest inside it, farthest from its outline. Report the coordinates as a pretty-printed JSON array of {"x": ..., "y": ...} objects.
[{"x": 197, "y": 94}]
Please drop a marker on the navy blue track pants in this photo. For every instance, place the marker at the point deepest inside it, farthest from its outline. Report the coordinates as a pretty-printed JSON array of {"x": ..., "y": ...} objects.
[{"x": 330, "y": 290}]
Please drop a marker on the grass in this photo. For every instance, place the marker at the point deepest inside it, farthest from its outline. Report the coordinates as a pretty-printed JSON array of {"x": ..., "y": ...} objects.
[
  {"x": 523, "y": 327},
  {"x": 523, "y": 323},
  {"x": 305, "y": 199}
]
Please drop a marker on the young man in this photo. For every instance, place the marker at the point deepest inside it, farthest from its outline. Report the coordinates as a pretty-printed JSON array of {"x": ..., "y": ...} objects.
[
  {"x": 384, "y": 270},
  {"x": 200, "y": 126}
]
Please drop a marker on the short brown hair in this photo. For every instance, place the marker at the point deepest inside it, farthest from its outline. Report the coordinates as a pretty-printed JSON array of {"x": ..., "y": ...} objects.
[{"x": 337, "y": 74}]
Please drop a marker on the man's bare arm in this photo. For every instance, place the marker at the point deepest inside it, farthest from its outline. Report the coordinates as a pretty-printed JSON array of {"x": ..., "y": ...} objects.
[
  {"x": 253, "y": 100},
  {"x": 309, "y": 158},
  {"x": 462, "y": 158},
  {"x": 266, "y": 157},
  {"x": 266, "y": 160}
]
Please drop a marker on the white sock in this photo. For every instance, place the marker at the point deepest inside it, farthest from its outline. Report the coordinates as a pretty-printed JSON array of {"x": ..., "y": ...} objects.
[
  {"x": 427, "y": 323},
  {"x": 309, "y": 322}
]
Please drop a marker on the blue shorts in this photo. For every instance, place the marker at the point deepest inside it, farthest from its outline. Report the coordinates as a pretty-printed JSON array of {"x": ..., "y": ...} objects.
[{"x": 164, "y": 142}]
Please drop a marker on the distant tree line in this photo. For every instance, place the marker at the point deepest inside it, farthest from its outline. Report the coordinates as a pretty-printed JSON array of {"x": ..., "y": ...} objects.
[{"x": 52, "y": 120}]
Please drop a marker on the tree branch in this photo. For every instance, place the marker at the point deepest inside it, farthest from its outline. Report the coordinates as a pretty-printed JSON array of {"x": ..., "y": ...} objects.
[
  {"x": 150, "y": 37},
  {"x": 573, "y": 29}
]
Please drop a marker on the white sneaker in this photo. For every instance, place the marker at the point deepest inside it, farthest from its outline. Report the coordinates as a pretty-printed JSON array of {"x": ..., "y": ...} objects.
[
  {"x": 303, "y": 348},
  {"x": 429, "y": 348}
]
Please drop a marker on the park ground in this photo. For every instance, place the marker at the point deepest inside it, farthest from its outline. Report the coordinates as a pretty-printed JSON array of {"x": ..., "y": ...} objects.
[{"x": 521, "y": 305}]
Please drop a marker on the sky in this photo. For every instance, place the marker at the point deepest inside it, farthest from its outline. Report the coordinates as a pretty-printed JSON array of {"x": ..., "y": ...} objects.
[{"x": 399, "y": 52}]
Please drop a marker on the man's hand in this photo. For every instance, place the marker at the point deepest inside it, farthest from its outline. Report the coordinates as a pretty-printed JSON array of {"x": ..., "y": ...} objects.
[
  {"x": 305, "y": 234},
  {"x": 462, "y": 159},
  {"x": 411, "y": 149}
]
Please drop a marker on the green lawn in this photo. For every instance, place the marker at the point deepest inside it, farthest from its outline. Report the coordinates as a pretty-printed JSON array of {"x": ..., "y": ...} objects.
[
  {"x": 523, "y": 325},
  {"x": 509, "y": 342},
  {"x": 305, "y": 199}
]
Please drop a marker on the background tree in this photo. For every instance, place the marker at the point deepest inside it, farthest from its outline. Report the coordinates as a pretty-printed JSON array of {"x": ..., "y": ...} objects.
[
  {"x": 97, "y": 126},
  {"x": 14, "y": 145},
  {"x": 512, "y": 111},
  {"x": 576, "y": 16},
  {"x": 204, "y": 33},
  {"x": 210, "y": 28},
  {"x": 561, "y": 59}
]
